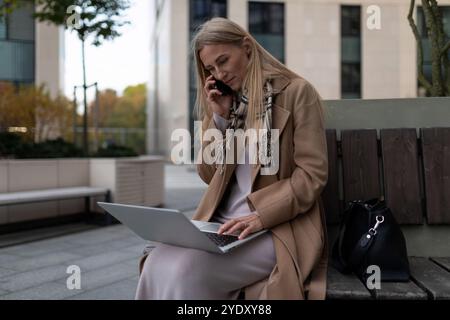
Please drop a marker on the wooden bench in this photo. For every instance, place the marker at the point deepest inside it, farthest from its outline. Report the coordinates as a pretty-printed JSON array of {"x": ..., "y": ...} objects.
[
  {"x": 22, "y": 197},
  {"x": 412, "y": 172}
]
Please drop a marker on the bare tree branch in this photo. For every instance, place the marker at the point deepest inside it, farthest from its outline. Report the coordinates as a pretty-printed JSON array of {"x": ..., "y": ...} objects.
[
  {"x": 445, "y": 48},
  {"x": 433, "y": 36},
  {"x": 442, "y": 54},
  {"x": 423, "y": 81}
]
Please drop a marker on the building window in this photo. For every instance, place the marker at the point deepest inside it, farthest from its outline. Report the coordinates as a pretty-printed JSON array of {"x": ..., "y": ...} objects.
[
  {"x": 17, "y": 50},
  {"x": 199, "y": 12},
  {"x": 421, "y": 26},
  {"x": 350, "y": 52},
  {"x": 266, "y": 24}
]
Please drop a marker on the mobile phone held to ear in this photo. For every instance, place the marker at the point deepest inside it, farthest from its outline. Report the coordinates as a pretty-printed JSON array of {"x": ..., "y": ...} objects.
[{"x": 222, "y": 87}]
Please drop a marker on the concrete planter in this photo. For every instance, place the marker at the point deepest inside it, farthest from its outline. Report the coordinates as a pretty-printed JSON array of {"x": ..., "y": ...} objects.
[{"x": 137, "y": 180}]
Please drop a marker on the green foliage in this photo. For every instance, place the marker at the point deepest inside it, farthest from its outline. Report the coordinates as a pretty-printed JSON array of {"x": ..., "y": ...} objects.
[
  {"x": 126, "y": 111},
  {"x": 10, "y": 143},
  {"x": 13, "y": 145},
  {"x": 33, "y": 108},
  {"x": 113, "y": 150},
  {"x": 98, "y": 18},
  {"x": 57, "y": 148}
]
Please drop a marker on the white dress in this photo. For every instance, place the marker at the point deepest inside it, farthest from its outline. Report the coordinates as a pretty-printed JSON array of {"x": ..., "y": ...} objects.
[{"x": 172, "y": 272}]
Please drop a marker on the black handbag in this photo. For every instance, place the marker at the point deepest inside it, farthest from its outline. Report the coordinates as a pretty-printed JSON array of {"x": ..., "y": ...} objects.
[{"x": 369, "y": 235}]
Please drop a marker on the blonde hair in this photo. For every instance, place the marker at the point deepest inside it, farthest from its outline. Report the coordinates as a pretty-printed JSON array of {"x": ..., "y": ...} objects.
[{"x": 261, "y": 65}]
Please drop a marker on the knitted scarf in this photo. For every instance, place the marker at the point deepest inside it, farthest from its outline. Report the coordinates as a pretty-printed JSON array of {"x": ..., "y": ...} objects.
[{"x": 238, "y": 115}]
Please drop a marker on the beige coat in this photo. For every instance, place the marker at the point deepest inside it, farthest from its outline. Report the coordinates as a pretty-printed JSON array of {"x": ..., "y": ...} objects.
[{"x": 289, "y": 201}]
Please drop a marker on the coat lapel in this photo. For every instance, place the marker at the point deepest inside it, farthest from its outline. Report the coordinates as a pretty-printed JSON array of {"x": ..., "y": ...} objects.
[{"x": 279, "y": 120}]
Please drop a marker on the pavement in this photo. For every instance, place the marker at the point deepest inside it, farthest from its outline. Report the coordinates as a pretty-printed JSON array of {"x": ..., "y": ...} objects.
[{"x": 40, "y": 264}]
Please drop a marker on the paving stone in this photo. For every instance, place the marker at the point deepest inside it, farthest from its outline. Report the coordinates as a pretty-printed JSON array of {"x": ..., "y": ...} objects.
[
  {"x": 44, "y": 260},
  {"x": 7, "y": 257},
  {"x": 96, "y": 249},
  {"x": 183, "y": 199},
  {"x": 102, "y": 260},
  {"x": 36, "y": 249},
  {"x": 137, "y": 249},
  {"x": 135, "y": 279},
  {"x": 46, "y": 291},
  {"x": 122, "y": 290},
  {"x": 32, "y": 278},
  {"x": 99, "y": 236},
  {"x": 10, "y": 239},
  {"x": 105, "y": 276},
  {"x": 6, "y": 272}
]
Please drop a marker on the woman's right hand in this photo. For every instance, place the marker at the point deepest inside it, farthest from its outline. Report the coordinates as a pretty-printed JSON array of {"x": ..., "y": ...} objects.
[{"x": 217, "y": 102}]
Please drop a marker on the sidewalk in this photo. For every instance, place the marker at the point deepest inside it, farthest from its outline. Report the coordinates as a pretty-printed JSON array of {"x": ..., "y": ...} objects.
[{"x": 107, "y": 256}]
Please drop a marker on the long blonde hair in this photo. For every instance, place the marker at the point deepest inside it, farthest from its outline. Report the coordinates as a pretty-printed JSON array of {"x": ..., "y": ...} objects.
[{"x": 261, "y": 65}]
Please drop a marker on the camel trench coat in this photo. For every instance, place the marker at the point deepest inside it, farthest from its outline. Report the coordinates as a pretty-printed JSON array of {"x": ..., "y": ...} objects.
[{"x": 289, "y": 201}]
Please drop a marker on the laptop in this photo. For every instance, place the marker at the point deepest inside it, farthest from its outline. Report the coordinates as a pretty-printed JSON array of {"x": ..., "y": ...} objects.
[{"x": 172, "y": 227}]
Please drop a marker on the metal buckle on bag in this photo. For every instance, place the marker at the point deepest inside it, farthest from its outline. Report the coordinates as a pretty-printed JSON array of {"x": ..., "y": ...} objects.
[{"x": 373, "y": 231}]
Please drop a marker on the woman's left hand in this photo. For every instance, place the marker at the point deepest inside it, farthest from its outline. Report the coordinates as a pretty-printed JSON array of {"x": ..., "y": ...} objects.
[{"x": 248, "y": 224}]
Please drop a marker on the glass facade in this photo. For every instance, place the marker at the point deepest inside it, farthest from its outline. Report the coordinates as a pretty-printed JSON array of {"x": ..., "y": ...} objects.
[
  {"x": 17, "y": 49},
  {"x": 199, "y": 12},
  {"x": 266, "y": 24},
  {"x": 350, "y": 52},
  {"x": 421, "y": 26}
]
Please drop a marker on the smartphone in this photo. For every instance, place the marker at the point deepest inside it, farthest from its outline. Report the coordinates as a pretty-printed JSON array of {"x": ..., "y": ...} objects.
[{"x": 222, "y": 87}]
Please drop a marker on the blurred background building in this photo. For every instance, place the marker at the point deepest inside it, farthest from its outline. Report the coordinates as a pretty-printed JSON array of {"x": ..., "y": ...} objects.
[
  {"x": 31, "y": 52},
  {"x": 325, "y": 41}
]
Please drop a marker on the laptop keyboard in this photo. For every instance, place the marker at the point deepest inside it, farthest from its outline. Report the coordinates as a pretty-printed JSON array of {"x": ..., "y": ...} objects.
[{"x": 221, "y": 239}]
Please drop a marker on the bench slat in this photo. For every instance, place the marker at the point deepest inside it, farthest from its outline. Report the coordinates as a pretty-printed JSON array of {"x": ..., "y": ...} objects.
[
  {"x": 443, "y": 262},
  {"x": 330, "y": 194},
  {"x": 342, "y": 286},
  {"x": 400, "y": 290},
  {"x": 360, "y": 164},
  {"x": 401, "y": 174},
  {"x": 49, "y": 195},
  {"x": 436, "y": 157},
  {"x": 431, "y": 277}
]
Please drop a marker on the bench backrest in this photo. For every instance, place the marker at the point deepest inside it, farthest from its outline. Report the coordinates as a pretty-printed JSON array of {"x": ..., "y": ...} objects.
[{"x": 412, "y": 173}]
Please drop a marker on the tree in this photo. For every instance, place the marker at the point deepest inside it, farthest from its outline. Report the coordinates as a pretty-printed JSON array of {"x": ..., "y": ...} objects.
[
  {"x": 107, "y": 101},
  {"x": 124, "y": 113},
  {"x": 440, "y": 45},
  {"x": 21, "y": 107},
  {"x": 127, "y": 111},
  {"x": 99, "y": 19}
]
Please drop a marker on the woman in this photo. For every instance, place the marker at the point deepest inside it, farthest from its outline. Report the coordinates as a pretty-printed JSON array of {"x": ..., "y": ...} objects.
[{"x": 290, "y": 262}]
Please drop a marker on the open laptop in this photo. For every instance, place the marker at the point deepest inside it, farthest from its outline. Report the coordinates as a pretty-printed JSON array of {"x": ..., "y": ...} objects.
[{"x": 172, "y": 227}]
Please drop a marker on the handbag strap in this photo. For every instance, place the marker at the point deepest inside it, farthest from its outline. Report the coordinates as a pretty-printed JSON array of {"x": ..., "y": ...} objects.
[
  {"x": 361, "y": 249},
  {"x": 364, "y": 243}
]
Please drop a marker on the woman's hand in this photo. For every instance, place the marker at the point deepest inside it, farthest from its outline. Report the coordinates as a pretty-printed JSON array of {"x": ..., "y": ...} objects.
[
  {"x": 248, "y": 224},
  {"x": 217, "y": 102}
]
